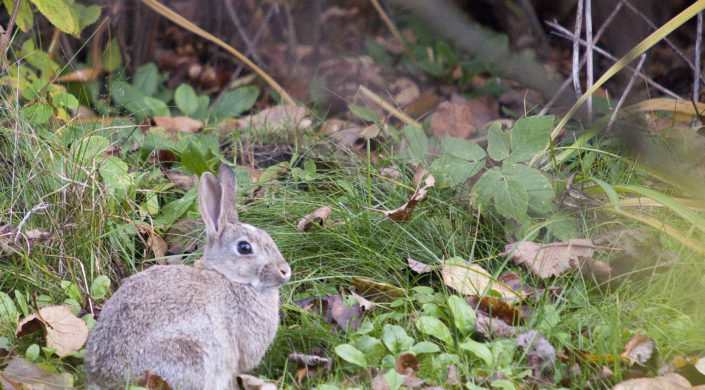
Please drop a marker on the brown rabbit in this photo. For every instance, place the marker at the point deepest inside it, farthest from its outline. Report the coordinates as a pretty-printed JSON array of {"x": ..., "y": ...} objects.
[{"x": 195, "y": 327}]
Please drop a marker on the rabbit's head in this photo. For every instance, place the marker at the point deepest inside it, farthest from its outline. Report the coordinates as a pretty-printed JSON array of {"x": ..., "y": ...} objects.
[{"x": 241, "y": 252}]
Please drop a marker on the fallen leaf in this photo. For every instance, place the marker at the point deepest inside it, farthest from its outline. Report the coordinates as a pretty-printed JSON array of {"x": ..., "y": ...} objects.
[
  {"x": 404, "y": 91},
  {"x": 181, "y": 180},
  {"x": 379, "y": 383},
  {"x": 277, "y": 118},
  {"x": 376, "y": 291},
  {"x": 641, "y": 349},
  {"x": 178, "y": 123},
  {"x": 63, "y": 331},
  {"x": 540, "y": 354},
  {"x": 334, "y": 311},
  {"x": 452, "y": 379},
  {"x": 404, "y": 212},
  {"x": 546, "y": 260},
  {"x": 158, "y": 246},
  {"x": 151, "y": 381},
  {"x": 669, "y": 381},
  {"x": 249, "y": 382},
  {"x": 7, "y": 232},
  {"x": 453, "y": 120},
  {"x": 25, "y": 375},
  {"x": 418, "y": 267},
  {"x": 309, "y": 365},
  {"x": 364, "y": 303},
  {"x": 318, "y": 216},
  {"x": 407, "y": 363},
  {"x": 472, "y": 279},
  {"x": 493, "y": 327},
  {"x": 604, "y": 375},
  {"x": 496, "y": 308}
]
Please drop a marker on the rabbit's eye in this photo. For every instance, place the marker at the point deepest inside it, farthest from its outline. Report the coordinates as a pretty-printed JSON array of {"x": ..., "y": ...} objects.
[{"x": 244, "y": 248}]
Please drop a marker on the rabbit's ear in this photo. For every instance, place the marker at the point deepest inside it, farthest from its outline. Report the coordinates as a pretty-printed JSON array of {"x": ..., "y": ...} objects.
[
  {"x": 228, "y": 186},
  {"x": 209, "y": 198}
]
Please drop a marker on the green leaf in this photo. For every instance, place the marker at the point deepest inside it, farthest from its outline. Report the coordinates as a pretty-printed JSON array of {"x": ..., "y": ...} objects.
[
  {"x": 396, "y": 339},
  {"x": 156, "y": 107},
  {"x": 5, "y": 343},
  {"x": 8, "y": 310},
  {"x": 114, "y": 173},
  {"x": 194, "y": 160},
  {"x": 202, "y": 111},
  {"x": 32, "y": 352},
  {"x": 25, "y": 17},
  {"x": 372, "y": 348},
  {"x": 432, "y": 326},
  {"x": 394, "y": 379},
  {"x": 484, "y": 189},
  {"x": 89, "y": 149},
  {"x": 459, "y": 160},
  {"x": 39, "y": 59},
  {"x": 59, "y": 14},
  {"x": 425, "y": 347},
  {"x": 478, "y": 349},
  {"x": 529, "y": 137},
  {"x": 87, "y": 15},
  {"x": 112, "y": 57},
  {"x": 365, "y": 113},
  {"x": 173, "y": 210},
  {"x": 147, "y": 79},
  {"x": 234, "y": 103},
  {"x": 497, "y": 142},
  {"x": 610, "y": 191},
  {"x": 21, "y": 302},
  {"x": 537, "y": 186},
  {"x": 511, "y": 199},
  {"x": 418, "y": 144},
  {"x": 65, "y": 100},
  {"x": 186, "y": 99},
  {"x": 464, "y": 316},
  {"x": 100, "y": 287},
  {"x": 37, "y": 112},
  {"x": 351, "y": 355}
]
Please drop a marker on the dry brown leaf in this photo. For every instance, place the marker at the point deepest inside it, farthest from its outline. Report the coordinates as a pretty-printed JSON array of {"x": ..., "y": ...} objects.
[
  {"x": 181, "y": 180},
  {"x": 407, "y": 363},
  {"x": 546, "y": 260},
  {"x": 158, "y": 246},
  {"x": 63, "y": 331},
  {"x": 7, "y": 232},
  {"x": 540, "y": 354},
  {"x": 496, "y": 307},
  {"x": 364, "y": 303},
  {"x": 310, "y": 360},
  {"x": 379, "y": 383},
  {"x": 452, "y": 379},
  {"x": 376, "y": 291},
  {"x": 418, "y": 267},
  {"x": 454, "y": 120},
  {"x": 404, "y": 212},
  {"x": 472, "y": 279},
  {"x": 642, "y": 350},
  {"x": 25, "y": 375},
  {"x": 152, "y": 381},
  {"x": 334, "y": 311},
  {"x": 348, "y": 136},
  {"x": 670, "y": 381},
  {"x": 249, "y": 382},
  {"x": 404, "y": 91},
  {"x": 277, "y": 118},
  {"x": 493, "y": 327},
  {"x": 318, "y": 216},
  {"x": 178, "y": 123}
]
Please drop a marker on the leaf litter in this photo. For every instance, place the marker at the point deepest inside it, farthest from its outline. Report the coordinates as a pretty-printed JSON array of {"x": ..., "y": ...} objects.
[
  {"x": 421, "y": 185},
  {"x": 23, "y": 374},
  {"x": 63, "y": 331}
]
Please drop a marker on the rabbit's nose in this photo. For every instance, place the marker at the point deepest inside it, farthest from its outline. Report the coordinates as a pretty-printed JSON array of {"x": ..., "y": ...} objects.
[{"x": 285, "y": 270}]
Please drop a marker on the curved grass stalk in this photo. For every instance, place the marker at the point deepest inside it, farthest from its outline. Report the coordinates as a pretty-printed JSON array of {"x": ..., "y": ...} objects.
[{"x": 669, "y": 230}]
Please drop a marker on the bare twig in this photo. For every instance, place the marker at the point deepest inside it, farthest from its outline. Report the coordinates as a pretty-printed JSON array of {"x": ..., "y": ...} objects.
[
  {"x": 696, "y": 67},
  {"x": 40, "y": 206},
  {"x": 393, "y": 29},
  {"x": 5, "y": 35},
  {"x": 249, "y": 43},
  {"x": 588, "y": 53},
  {"x": 565, "y": 33},
  {"x": 576, "y": 48},
  {"x": 534, "y": 22},
  {"x": 627, "y": 89}
]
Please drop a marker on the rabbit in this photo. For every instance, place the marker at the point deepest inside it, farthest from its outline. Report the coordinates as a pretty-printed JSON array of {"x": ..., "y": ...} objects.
[{"x": 195, "y": 327}]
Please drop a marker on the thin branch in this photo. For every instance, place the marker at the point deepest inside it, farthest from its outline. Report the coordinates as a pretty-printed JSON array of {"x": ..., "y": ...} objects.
[
  {"x": 390, "y": 25},
  {"x": 588, "y": 54},
  {"x": 5, "y": 35},
  {"x": 696, "y": 67},
  {"x": 576, "y": 48},
  {"x": 626, "y": 91},
  {"x": 249, "y": 44}
]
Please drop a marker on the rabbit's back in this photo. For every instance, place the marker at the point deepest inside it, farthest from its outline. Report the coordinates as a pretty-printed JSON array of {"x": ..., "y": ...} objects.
[{"x": 192, "y": 327}]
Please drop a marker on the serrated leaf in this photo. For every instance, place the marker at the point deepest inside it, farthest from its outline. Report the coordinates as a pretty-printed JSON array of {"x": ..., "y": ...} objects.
[
  {"x": 418, "y": 144},
  {"x": 234, "y": 103},
  {"x": 498, "y": 142},
  {"x": 351, "y": 355},
  {"x": 459, "y": 160},
  {"x": 25, "y": 17},
  {"x": 511, "y": 199},
  {"x": 59, "y": 14},
  {"x": 147, "y": 79},
  {"x": 89, "y": 148},
  {"x": 114, "y": 173},
  {"x": 86, "y": 15},
  {"x": 464, "y": 316},
  {"x": 484, "y": 189},
  {"x": 39, "y": 59},
  {"x": 610, "y": 191},
  {"x": 65, "y": 100},
  {"x": 529, "y": 136},
  {"x": 478, "y": 349},
  {"x": 186, "y": 99},
  {"x": 396, "y": 339},
  {"x": 100, "y": 287},
  {"x": 432, "y": 326},
  {"x": 37, "y": 112},
  {"x": 538, "y": 187},
  {"x": 365, "y": 113}
]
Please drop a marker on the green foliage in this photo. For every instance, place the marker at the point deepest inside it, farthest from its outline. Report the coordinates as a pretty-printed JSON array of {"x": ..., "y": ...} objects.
[{"x": 234, "y": 103}]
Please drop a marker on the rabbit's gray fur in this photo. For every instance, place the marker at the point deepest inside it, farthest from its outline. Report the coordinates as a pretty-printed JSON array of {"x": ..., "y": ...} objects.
[{"x": 195, "y": 327}]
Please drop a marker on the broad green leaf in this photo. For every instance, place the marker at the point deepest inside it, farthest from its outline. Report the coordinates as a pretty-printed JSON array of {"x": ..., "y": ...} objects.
[
  {"x": 21, "y": 302},
  {"x": 65, "y": 100},
  {"x": 114, "y": 173},
  {"x": 418, "y": 144},
  {"x": 59, "y": 14},
  {"x": 70, "y": 289},
  {"x": 425, "y": 347},
  {"x": 459, "y": 160},
  {"x": 37, "y": 112},
  {"x": 171, "y": 211},
  {"x": 432, "y": 326},
  {"x": 100, "y": 287},
  {"x": 32, "y": 352},
  {"x": 396, "y": 339},
  {"x": 32, "y": 90},
  {"x": 202, "y": 111},
  {"x": 372, "y": 348},
  {"x": 511, "y": 199},
  {"x": 156, "y": 107},
  {"x": 186, "y": 99},
  {"x": 39, "y": 59},
  {"x": 351, "y": 355},
  {"x": 485, "y": 187},
  {"x": 87, "y": 15},
  {"x": 464, "y": 316},
  {"x": 394, "y": 379},
  {"x": 234, "y": 103},
  {"x": 5, "y": 343},
  {"x": 112, "y": 57},
  {"x": 147, "y": 79},
  {"x": 529, "y": 136},
  {"x": 504, "y": 384},
  {"x": 497, "y": 142},
  {"x": 478, "y": 349},
  {"x": 365, "y": 113},
  {"x": 537, "y": 186},
  {"x": 89, "y": 149},
  {"x": 25, "y": 17},
  {"x": 8, "y": 310},
  {"x": 194, "y": 160},
  {"x": 562, "y": 226}
]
